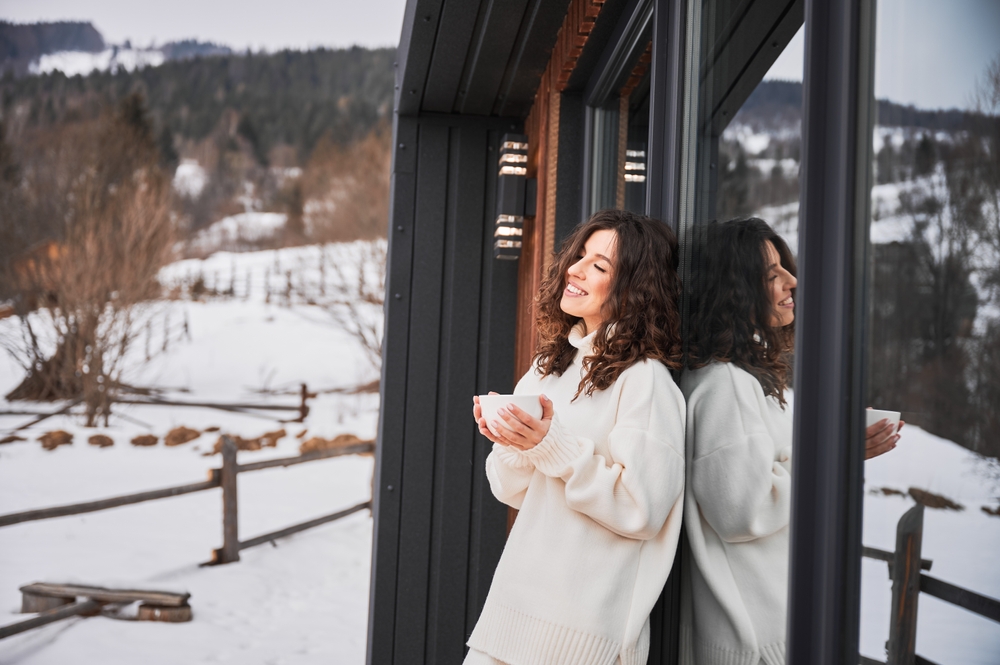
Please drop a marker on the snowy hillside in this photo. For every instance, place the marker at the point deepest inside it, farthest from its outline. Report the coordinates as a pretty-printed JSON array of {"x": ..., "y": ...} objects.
[
  {"x": 72, "y": 63},
  {"x": 302, "y": 601}
]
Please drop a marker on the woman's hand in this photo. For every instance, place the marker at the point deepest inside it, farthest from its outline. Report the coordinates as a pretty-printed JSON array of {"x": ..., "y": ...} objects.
[
  {"x": 880, "y": 438},
  {"x": 525, "y": 431}
]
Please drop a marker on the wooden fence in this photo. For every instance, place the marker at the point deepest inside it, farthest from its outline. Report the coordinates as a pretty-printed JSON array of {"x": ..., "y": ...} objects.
[
  {"x": 908, "y": 581},
  {"x": 224, "y": 477}
]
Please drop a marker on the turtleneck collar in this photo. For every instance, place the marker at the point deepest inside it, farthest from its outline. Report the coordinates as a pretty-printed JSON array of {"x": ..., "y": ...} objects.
[{"x": 581, "y": 341}]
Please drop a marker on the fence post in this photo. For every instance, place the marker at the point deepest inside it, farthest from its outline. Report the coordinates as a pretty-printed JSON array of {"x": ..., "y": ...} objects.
[
  {"x": 230, "y": 550},
  {"x": 304, "y": 404},
  {"x": 906, "y": 587}
]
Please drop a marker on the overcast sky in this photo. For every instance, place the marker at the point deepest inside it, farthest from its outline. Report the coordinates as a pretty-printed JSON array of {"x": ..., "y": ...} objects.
[
  {"x": 256, "y": 24},
  {"x": 928, "y": 53}
]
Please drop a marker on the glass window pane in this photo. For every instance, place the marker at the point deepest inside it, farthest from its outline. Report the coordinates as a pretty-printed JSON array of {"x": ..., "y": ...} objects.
[
  {"x": 934, "y": 323},
  {"x": 743, "y": 142}
]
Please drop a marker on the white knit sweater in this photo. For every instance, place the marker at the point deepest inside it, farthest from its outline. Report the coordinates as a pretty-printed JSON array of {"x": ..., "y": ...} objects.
[
  {"x": 739, "y": 486},
  {"x": 600, "y": 500}
]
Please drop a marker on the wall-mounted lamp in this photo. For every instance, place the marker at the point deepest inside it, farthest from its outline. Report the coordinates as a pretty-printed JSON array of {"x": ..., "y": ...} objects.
[
  {"x": 635, "y": 176},
  {"x": 635, "y": 165},
  {"x": 511, "y": 184}
]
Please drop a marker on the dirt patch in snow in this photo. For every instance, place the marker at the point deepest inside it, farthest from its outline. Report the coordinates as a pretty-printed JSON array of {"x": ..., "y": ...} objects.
[
  {"x": 101, "y": 441},
  {"x": 319, "y": 443},
  {"x": 932, "y": 500},
  {"x": 180, "y": 435},
  {"x": 265, "y": 440},
  {"x": 55, "y": 438}
]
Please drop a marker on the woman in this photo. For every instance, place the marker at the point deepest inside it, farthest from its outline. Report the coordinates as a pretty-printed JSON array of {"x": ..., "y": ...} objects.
[
  {"x": 739, "y": 444},
  {"x": 598, "y": 479}
]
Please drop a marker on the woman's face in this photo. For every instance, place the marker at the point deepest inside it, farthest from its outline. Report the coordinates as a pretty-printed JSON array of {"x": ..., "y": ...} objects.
[
  {"x": 780, "y": 283},
  {"x": 588, "y": 281}
]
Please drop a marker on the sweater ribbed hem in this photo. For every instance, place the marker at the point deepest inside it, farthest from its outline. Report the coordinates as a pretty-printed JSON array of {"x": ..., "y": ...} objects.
[
  {"x": 638, "y": 654},
  {"x": 715, "y": 654},
  {"x": 554, "y": 453},
  {"x": 773, "y": 654},
  {"x": 519, "y": 639}
]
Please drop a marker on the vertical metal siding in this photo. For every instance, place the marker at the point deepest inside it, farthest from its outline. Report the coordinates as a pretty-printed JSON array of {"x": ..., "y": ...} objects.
[{"x": 449, "y": 316}]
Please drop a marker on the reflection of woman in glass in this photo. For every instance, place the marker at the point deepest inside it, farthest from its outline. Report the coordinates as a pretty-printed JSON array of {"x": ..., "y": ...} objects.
[
  {"x": 739, "y": 444},
  {"x": 599, "y": 478}
]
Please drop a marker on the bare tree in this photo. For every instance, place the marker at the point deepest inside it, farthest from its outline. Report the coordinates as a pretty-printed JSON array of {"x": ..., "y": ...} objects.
[
  {"x": 114, "y": 234},
  {"x": 346, "y": 188},
  {"x": 353, "y": 292}
]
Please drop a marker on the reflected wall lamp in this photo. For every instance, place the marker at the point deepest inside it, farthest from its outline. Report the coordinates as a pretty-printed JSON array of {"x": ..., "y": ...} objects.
[{"x": 515, "y": 197}]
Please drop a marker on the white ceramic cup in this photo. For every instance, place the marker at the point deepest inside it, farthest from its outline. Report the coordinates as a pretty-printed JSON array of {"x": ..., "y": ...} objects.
[
  {"x": 872, "y": 416},
  {"x": 490, "y": 403}
]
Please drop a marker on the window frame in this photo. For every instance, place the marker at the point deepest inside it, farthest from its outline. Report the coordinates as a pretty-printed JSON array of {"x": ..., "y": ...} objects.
[{"x": 828, "y": 449}]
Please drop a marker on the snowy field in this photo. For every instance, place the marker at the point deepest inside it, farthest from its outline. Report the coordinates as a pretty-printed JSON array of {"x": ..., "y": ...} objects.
[{"x": 303, "y": 601}]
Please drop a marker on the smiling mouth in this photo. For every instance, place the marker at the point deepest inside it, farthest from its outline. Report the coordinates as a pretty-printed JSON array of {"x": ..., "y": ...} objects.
[
  {"x": 575, "y": 290},
  {"x": 787, "y": 302}
]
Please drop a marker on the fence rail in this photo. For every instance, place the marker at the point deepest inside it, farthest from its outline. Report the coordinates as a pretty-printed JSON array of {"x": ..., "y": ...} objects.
[
  {"x": 287, "y": 531},
  {"x": 104, "y": 504},
  {"x": 224, "y": 477},
  {"x": 50, "y": 616},
  {"x": 213, "y": 481},
  {"x": 964, "y": 598}
]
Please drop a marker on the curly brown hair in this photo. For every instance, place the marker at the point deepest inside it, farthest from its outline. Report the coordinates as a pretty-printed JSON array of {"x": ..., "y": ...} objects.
[
  {"x": 731, "y": 306},
  {"x": 640, "y": 315}
]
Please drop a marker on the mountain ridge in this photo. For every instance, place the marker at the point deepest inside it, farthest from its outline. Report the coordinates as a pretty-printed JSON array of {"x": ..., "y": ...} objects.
[{"x": 784, "y": 99}]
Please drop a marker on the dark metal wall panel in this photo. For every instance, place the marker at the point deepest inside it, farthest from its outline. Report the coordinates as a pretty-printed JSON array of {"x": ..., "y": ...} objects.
[
  {"x": 495, "y": 371},
  {"x": 484, "y": 57},
  {"x": 389, "y": 454},
  {"x": 457, "y": 436},
  {"x": 413, "y": 57},
  {"x": 456, "y": 27},
  {"x": 532, "y": 49},
  {"x": 422, "y": 387},
  {"x": 492, "y": 46},
  {"x": 438, "y": 530}
]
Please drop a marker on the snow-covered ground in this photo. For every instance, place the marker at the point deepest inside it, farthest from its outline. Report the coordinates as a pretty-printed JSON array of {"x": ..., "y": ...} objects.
[
  {"x": 238, "y": 232},
  {"x": 303, "y": 601},
  {"x": 962, "y": 545}
]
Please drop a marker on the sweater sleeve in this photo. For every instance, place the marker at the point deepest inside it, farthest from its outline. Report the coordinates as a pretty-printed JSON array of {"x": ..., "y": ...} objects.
[
  {"x": 509, "y": 473},
  {"x": 743, "y": 492},
  {"x": 632, "y": 493}
]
